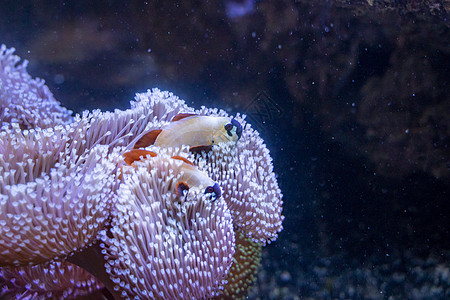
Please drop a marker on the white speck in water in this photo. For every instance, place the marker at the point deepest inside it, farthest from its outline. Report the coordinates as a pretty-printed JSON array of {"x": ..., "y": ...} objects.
[
  {"x": 58, "y": 79},
  {"x": 285, "y": 276}
]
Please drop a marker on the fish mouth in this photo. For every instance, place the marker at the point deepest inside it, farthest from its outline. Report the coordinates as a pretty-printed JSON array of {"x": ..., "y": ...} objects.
[{"x": 224, "y": 137}]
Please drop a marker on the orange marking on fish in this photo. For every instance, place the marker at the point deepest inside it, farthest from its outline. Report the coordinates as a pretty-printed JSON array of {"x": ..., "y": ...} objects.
[
  {"x": 198, "y": 149},
  {"x": 181, "y": 187},
  {"x": 136, "y": 154},
  {"x": 182, "y": 116},
  {"x": 182, "y": 159},
  {"x": 148, "y": 139}
]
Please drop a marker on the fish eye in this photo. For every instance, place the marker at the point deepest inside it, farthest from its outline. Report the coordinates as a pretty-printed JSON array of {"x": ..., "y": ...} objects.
[
  {"x": 215, "y": 192},
  {"x": 228, "y": 127},
  {"x": 209, "y": 190}
]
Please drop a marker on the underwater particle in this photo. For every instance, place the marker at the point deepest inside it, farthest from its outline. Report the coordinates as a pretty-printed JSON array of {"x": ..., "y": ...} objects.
[{"x": 239, "y": 8}]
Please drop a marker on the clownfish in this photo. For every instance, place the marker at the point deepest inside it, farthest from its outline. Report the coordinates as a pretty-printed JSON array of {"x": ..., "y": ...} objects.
[
  {"x": 199, "y": 132},
  {"x": 191, "y": 176}
]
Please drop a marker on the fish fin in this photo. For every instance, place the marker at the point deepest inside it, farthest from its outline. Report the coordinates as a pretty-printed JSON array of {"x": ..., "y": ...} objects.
[
  {"x": 181, "y": 187},
  {"x": 147, "y": 139},
  {"x": 180, "y": 116},
  {"x": 182, "y": 159},
  {"x": 198, "y": 149},
  {"x": 136, "y": 154}
]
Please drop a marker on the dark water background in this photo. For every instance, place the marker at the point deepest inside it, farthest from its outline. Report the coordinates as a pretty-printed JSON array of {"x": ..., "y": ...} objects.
[{"x": 352, "y": 99}]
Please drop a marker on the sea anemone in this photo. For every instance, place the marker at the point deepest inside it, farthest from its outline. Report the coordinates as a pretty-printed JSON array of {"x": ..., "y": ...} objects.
[
  {"x": 162, "y": 246},
  {"x": 66, "y": 193},
  {"x": 122, "y": 128},
  {"x": 55, "y": 280},
  {"x": 24, "y": 100},
  {"x": 249, "y": 186},
  {"x": 52, "y": 202}
]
